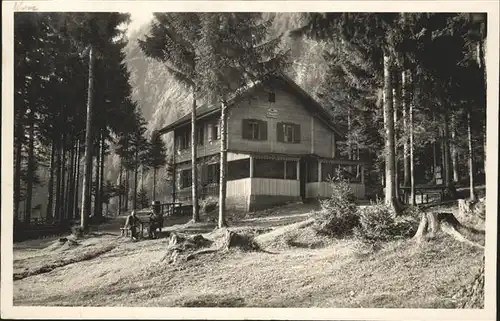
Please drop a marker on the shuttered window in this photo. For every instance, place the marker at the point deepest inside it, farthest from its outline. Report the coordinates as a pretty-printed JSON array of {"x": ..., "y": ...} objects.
[
  {"x": 184, "y": 140},
  {"x": 254, "y": 129},
  {"x": 185, "y": 178},
  {"x": 288, "y": 132},
  {"x": 200, "y": 136}
]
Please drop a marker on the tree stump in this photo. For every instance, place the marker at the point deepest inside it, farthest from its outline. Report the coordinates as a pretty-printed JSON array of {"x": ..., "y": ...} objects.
[
  {"x": 235, "y": 240},
  {"x": 433, "y": 222},
  {"x": 179, "y": 244},
  {"x": 464, "y": 207}
]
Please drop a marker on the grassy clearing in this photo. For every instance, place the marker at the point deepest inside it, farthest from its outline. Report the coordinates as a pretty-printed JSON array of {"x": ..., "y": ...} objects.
[{"x": 324, "y": 273}]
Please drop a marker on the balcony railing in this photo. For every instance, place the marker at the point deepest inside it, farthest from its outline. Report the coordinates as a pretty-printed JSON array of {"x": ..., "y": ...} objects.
[{"x": 203, "y": 192}]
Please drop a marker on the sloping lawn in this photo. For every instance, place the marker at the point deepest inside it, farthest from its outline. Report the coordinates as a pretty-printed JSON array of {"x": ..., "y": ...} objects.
[{"x": 342, "y": 273}]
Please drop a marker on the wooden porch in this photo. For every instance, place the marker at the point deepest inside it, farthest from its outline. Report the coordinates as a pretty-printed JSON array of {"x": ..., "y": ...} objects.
[{"x": 288, "y": 177}]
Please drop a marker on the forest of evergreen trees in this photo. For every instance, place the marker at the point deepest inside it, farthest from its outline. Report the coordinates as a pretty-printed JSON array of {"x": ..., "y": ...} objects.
[{"x": 409, "y": 89}]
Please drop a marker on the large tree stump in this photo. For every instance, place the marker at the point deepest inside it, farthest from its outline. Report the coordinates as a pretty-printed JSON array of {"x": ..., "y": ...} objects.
[
  {"x": 433, "y": 222},
  {"x": 178, "y": 244},
  {"x": 235, "y": 240},
  {"x": 475, "y": 208}
]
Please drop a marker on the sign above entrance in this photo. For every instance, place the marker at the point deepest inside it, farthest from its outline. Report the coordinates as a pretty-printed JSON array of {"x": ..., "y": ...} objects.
[{"x": 272, "y": 113}]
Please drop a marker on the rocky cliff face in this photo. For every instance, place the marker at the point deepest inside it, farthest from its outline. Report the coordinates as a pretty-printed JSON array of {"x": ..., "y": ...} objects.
[{"x": 162, "y": 100}]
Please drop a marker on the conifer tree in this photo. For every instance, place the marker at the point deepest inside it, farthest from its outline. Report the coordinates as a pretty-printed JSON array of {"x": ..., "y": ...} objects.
[
  {"x": 236, "y": 52},
  {"x": 174, "y": 40},
  {"x": 157, "y": 157}
]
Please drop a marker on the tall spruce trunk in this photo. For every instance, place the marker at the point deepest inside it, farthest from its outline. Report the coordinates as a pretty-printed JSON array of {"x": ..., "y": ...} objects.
[
  {"x": 74, "y": 168},
  {"x": 69, "y": 183},
  {"x": 87, "y": 171},
  {"x": 406, "y": 144},
  {"x": 77, "y": 179},
  {"x": 119, "y": 209},
  {"x": 472, "y": 194},
  {"x": 154, "y": 183},
  {"x": 136, "y": 171},
  {"x": 127, "y": 189},
  {"x": 97, "y": 175},
  {"x": 481, "y": 52},
  {"x": 62, "y": 195},
  {"x": 50, "y": 187},
  {"x": 443, "y": 157},
  {"x": 17, "y": 165},
  {"x": 450, "y": 187},
  {"x": 31, "y": 166},
  {"x": 194, "y": 163},
  {"x": 397, "y": 108},
  {"x": 101, "y": 171},
  {"x": 142, "y": 177},
  {"x": 223, "y": 166},
  {"x": 411, "y": 104},
  {"x": 454, "y": 151},
  {"x": 57, "y": 194},
  {"x": 349, "y": 147},
  {"x": 390, "y": 198}
]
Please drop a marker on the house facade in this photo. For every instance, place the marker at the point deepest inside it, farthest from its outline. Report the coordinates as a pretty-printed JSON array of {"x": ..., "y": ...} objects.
[{"x": 281, "y": 147}]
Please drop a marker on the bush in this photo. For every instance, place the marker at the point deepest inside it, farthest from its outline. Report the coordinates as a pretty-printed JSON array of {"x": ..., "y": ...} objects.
[
  {"x": 209, "y": 204},
  {"x": 377, "y": 223},
  {"x": 338, "y": 215}
]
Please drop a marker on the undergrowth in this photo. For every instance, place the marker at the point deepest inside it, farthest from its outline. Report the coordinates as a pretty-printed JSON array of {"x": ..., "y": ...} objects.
[{"x": 378, "y": 223}]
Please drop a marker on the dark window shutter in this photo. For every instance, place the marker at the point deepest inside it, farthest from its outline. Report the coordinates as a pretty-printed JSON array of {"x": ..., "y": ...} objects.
[
  {"x": 201, "y": 133},
  {"x": 296, "y": 133},
  {"x": 245, "y": 129},
  {"x": 210, "y": 138},
  {"x": 279, "y": 132},
  {"x": 263, "y": 130}
]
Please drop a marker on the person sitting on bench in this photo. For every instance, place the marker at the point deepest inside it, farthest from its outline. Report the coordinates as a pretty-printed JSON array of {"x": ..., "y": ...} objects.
[
  {"x": 155, "y": 219},
  {"x": 132, "y": 223}
]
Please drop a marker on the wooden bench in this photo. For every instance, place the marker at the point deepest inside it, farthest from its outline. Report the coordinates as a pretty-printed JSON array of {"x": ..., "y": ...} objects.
[{"x": 125, "y": 231}]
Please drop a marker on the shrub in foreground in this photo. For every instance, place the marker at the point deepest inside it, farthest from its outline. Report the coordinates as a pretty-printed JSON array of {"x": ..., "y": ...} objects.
[
  {"x": 338, "y": 215},
  {"x": 377, "y": 223}
]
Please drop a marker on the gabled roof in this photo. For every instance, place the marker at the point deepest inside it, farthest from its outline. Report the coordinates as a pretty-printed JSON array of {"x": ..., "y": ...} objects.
[{"x": 309, "y": 103}]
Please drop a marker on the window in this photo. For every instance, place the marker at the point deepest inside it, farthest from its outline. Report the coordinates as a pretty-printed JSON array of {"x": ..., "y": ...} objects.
[
  {"x": 184, "y": 140},
  {"x": 213, "y": 173},
  {"x": 185, "y": 178},
  {"x": 290, "y": 169},
  {"x": 200, "y": 135},
  {"x": 238, "y": 169},
  {"x": 213, "y": 131},
  {"x": 269, "y": 168},
  {"x": 254, "y": 129},
  {"x": 272, "y": 97},
  {"x": 288, "y": 133}
]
